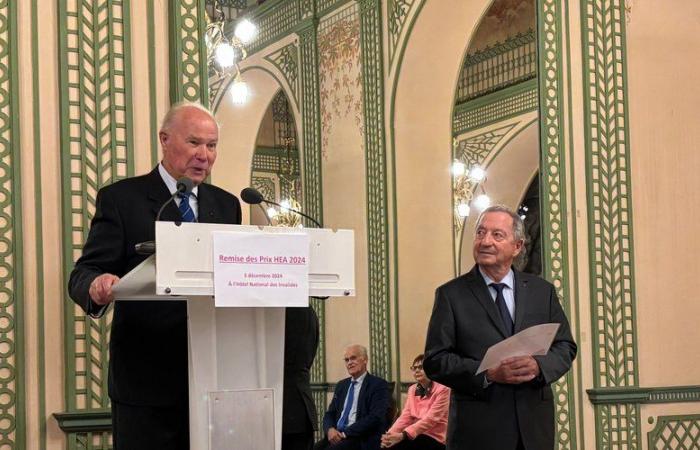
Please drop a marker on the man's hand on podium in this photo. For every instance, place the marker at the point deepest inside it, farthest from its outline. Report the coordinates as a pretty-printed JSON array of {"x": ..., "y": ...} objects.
[{"x": 101, "y": 288}]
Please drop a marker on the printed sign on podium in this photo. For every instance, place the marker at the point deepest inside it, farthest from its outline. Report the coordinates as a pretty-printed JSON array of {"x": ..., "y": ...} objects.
[{"x": 257, "y": 270}]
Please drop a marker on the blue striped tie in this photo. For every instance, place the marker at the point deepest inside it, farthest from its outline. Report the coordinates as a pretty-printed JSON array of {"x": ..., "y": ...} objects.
[{"x": 185, "y": 209}]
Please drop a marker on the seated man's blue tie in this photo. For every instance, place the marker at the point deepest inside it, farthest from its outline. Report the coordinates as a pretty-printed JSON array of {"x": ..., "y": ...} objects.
[
  {"x": 343, "y": 422},
  {"x": 185, "y": 209}
]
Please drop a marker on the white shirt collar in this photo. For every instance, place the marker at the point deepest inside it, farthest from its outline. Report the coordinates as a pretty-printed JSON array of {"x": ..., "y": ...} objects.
[
  {"x": 360, "y": 379},
  {"x": 508, "y": 280},
  {"x": 171, "y": 182}
]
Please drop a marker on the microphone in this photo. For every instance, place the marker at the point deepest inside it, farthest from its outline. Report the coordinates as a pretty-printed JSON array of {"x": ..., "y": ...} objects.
[
  {"x": 184, "y": 185},
  {"x": 252, "y": 196}
]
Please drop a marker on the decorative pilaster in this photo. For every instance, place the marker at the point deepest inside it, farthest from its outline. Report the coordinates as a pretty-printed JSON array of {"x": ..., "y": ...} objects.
[
  {"x": 96, "y": 150},
  {"x": 12, "y": 400},
  {"x": 311, "y": 175},
  {"x": 188, "y": 56},
  {"x": 553, "y": 192},
  {"x": 377, "y": 207},
  {"x": 611, "y": 256}
]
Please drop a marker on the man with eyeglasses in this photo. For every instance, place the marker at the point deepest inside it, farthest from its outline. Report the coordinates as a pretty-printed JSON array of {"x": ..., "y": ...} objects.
[
  {"x": 356, "y": 416},
  {"x": 509, "y": 407}
]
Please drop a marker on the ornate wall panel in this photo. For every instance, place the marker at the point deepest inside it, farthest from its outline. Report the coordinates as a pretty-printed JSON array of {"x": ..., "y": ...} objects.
[
  {"x": 12, "y": 389},
  {"x": 377, "y": 207},
  {"x": 610, "y": 217},
  {"x": 675, "y": 432},
  {"x": 286, "y": 60},
  {"x": 495, "y": 107},
  {"x": 96, "y": 150},
  {"x": 398, "y": 12},
  {"x": 553, "y": 190},
  {"x": 188, "y": 68}
]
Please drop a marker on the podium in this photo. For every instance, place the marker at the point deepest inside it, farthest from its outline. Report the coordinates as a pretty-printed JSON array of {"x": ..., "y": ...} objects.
[{"x": 236, "y": 354}]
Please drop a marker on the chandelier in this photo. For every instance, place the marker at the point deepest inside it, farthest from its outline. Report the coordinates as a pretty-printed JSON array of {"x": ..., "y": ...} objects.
[
  {"x": 224, "y": 53},
  {"x": 468, "y": 188}
]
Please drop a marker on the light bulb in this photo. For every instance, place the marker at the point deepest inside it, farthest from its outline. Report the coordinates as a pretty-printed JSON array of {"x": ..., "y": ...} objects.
[
  {"x": 239, "y": 92},
  {"x": 477, "y": 174},
  {"x": 463, "y": 210},
  {"x": 271, "y": 212},
  {"x": 285, "y": 204},
  {"x": 482, "y": 202},
  {"x": 458, "y": 168},
  {"x": 225, "y": 55},
  {"x": 245, "y": 31}
]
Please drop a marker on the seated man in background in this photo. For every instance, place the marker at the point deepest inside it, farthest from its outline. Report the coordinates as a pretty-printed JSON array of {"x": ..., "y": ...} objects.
[
  {"x": 356, "y": 415},
  {"x": 422, "y": 424}
]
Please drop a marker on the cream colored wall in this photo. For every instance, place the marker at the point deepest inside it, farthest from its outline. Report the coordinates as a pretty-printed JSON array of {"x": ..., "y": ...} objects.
[
  {"x": 344, "y": 178},
  {"x": 423, "y": 144},
  {"x": 664, "y": 94}
]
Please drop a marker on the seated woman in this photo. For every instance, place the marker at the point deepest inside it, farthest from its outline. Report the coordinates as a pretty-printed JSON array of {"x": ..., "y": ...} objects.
[{"x": 423, "y": 421}]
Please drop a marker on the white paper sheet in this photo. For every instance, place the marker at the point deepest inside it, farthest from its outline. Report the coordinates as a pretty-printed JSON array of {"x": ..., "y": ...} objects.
[
  {"x": 257, "y": 270},
  {"x": 531, "y": 341}
]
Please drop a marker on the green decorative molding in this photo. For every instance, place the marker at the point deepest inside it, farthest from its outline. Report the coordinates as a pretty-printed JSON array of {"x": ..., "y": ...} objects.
[
  {"x": 495, "y": 107},
  {"x": 553, "y": 191},
  {"x": 398, "y": 12},
  {"x": 12, "y": 370},
  {"x": 276, "y": 19},
  {"x": 680, "y": 432},
  {"x": 85, "y": 421},
  {"x": 311, "y": 174},
  {"x": 609, "y": 216},
  {"x": 377, "y": 208},
  {"x": 266, "y": 184},
  {"x": 188, "y": 66},
  {"x": 96, "y": 150},
  {"x": 286, "y": 60},
  {"x": 671, "y": 394},
  {"x": 90, "y": 441},
  {"x": 617, "y": 426},
  {"x": 39, "y": 234},
  {"x": 324, "y": 7}
]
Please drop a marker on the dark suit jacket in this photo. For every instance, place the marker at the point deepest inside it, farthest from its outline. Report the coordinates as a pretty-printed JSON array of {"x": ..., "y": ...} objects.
[
  {"x": 464, "y": 324},
  {"x": 300, "y": 344},
  {"x": 372, "y": 406},
  {"x": 148, "y": 344}
]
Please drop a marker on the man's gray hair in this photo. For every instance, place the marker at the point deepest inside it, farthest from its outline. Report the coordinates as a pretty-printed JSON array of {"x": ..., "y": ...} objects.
[
  {"x": 361, "y": 348},
  {"x": 178, "y": 107},
  {"x": 518, "y": 226}
]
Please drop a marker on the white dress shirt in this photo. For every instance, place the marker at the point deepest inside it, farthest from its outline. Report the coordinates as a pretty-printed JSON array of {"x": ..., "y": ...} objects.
[
  {"x": 356, "y": 395},
  {"x": 508, "y": 291}
]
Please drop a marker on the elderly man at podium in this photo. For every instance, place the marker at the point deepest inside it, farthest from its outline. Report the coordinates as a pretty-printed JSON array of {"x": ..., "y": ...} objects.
[{"x": 148, "y": 372}]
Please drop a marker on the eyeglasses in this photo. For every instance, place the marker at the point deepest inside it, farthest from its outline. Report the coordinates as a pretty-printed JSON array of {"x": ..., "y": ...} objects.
[{"x": 416, "y": 367}]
